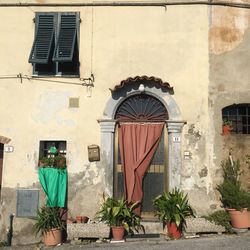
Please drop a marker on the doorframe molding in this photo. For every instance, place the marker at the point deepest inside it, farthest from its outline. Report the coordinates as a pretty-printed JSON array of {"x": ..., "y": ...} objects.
[{"x": 174, "y": 126}]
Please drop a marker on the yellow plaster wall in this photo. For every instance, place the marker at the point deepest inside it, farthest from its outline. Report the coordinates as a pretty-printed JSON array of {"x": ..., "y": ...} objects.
[{"x": 118, "y": 42}]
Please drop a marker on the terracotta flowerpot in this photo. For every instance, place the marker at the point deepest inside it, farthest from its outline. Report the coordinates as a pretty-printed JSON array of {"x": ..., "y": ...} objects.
[
  {"x": 70, "y": 221},
  {"x": 82, "y": 219},
  {"x": 174, "y": 231},
  {"x": 118, "y": 233},
  {"x": 52, "y": 237},
  {"x": 85, "y": 219},
  {"x": 248, "y": 218},
  {"x": 239, "y": 219},
  {"x": 79, "y": 219},
  {"x": 226, "y": 129}
]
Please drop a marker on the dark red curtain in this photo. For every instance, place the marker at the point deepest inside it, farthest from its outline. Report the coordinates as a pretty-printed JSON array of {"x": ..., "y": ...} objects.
[{"x": 138, "y": 142}]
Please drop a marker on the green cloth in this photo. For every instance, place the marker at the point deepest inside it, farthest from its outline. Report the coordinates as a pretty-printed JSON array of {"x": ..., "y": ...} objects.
[{"x": 54, "y": 184}]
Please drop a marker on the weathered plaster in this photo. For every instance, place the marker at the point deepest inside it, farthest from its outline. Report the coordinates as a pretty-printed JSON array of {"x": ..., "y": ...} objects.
[
  {"x": 115, "y": 43},
  {"x": 228, "y": 27},
  {"x": 22, "y": 227},
  {"x": 229, "y": 39},
  {"x": 85, "y": 190}
]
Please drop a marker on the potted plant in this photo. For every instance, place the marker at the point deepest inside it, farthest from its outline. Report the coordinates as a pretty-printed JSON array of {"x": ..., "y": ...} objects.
[
  {"x": 119, "y": 216},
  {"x": 57, "y": 161},
  {"x": 49, "y": 222},
  {"x": 234, "y": 198},
  {"x": 172, "y": 208},
  {"x": 227, "y": 127}
]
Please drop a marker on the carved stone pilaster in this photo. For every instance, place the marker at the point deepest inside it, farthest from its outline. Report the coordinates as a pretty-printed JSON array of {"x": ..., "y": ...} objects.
[
  {"x": 106, "y": 152},
  {"x": 174, "y": 147}
]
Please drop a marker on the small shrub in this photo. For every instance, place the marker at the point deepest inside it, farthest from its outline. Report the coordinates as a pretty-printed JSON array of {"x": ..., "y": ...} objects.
[
  {"x": 3, "y": 244},
  {"x": 221, "y": 218},
  {"x": 232, "y": 195}
]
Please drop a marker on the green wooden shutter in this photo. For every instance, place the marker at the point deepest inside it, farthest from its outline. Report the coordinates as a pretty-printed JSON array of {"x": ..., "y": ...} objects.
[
  {"x": 66, "y": 38},
  {"x": 45, "y": 30}
]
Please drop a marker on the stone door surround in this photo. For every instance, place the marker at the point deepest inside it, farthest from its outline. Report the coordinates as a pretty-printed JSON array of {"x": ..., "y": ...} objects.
[{"x": 174, "y": 127}]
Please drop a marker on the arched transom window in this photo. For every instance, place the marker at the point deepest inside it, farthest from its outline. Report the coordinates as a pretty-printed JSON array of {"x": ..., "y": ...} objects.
[{"x": 141, "y": 107}]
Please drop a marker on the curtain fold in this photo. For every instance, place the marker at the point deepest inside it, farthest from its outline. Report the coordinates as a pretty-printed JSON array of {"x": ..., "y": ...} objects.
[
  {"x": 54, "y": 184},
  {"x": 138, "y": 143}
]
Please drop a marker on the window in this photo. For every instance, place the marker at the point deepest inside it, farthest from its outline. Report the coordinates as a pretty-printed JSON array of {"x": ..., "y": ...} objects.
[
  {"x": 239, "y": 116},
  {"x": 46, "y": 145},
  {"x": 55, "y": 49}
]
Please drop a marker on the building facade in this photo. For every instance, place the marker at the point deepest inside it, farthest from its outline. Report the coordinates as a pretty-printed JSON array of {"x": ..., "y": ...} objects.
[{"x": 69, "y": 67}]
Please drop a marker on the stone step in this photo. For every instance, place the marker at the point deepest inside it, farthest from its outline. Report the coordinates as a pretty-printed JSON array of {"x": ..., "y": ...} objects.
[{"x": 152, "y": 227}]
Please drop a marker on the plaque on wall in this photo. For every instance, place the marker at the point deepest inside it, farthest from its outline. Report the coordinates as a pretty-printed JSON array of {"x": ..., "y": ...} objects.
[{"x": 27, "y": 202}]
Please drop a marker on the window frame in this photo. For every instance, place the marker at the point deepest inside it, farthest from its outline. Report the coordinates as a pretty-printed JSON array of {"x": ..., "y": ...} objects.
[
  {"x": 44, "y": 147},
  {"x": 239, "y": 116},
  {"x": 55, "y": 64}
]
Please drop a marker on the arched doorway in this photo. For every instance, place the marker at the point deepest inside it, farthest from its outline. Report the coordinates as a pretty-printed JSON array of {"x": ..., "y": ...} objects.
[
  {"x": 161, "y": 91},
  {"x": 136, "y": 112}
]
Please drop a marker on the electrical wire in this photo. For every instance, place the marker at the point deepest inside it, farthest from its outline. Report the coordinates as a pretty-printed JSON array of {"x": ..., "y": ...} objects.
[{"x": 86, "y": 81}]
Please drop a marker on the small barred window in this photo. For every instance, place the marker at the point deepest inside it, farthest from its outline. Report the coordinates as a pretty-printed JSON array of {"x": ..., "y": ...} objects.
[{"x": 238, "y": 115}]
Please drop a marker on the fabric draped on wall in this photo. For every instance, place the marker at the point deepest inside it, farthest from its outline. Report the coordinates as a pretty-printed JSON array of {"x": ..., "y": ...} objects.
[
  {"x": 54, "y": 184},
  {"x": 138, "y": 143}
]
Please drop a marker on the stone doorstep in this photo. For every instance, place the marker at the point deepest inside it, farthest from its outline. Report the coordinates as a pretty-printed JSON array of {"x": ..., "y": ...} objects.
[{"x": 151, "y": 227}]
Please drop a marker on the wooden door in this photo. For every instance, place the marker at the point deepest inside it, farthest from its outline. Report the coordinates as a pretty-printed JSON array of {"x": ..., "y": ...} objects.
[
  {"x": 154, "y": 182},
  {"x": 144, "y": 108}
]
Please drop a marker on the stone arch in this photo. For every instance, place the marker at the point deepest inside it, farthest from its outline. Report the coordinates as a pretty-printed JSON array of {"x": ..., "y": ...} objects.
[{"x": 164, "y": 93}]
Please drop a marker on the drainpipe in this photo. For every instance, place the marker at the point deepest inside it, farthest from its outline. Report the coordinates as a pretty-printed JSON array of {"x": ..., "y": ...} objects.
[{"x": 10, "y": 230}]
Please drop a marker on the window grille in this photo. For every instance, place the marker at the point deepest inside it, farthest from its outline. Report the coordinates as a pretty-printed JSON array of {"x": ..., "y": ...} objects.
[
  {"x": 239, "y": 116},
  {"x": 46, "y": 145},
  {"x": 141, "y": 108}
]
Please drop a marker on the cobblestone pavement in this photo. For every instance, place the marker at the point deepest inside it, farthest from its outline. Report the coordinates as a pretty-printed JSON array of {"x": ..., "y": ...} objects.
[{"x": 204, "y": 242}]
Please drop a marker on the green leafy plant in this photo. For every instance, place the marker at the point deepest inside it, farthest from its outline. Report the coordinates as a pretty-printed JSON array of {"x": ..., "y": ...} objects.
[
  {"x": 118, "y": 213},
  {"x": 58, "y": 161},
  {"x": 232, "y": 195},
  {"x": 221, "y": 218},
  {"x": 173, "y": 207},
  {"x": 46, "y": 162},
  {"x": 227, "y": 123},
  {"x": 3, "y": 243},
  {"x": 48, "y": 218}
]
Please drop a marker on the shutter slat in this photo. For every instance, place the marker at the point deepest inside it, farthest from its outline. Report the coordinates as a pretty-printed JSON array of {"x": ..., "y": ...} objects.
[
  {"x": 43, "y": 40},
  {"x": 67, "y": 38}
]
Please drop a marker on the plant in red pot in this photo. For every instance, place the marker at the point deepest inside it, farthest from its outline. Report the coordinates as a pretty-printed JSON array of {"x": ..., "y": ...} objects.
[
  {"x": 119, "y": 216},
  {"x": 49, "y": 222},
  {"x": 234, "y": 198},
  {"x": 172, "y": 208},
  {"x": 227, "y": 127}
]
